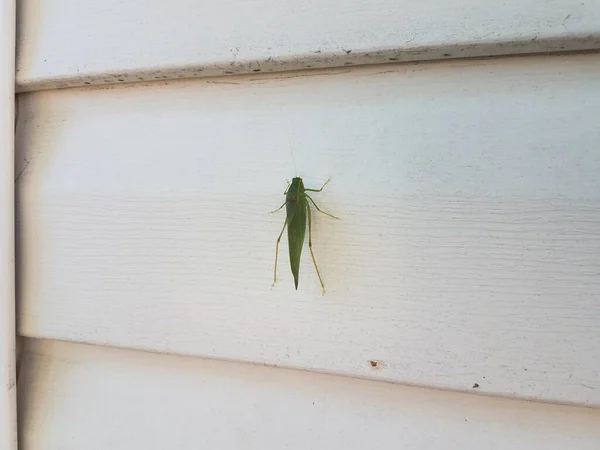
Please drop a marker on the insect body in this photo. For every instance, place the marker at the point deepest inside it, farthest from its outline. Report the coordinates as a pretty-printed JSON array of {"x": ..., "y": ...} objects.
[{"x": 298, "y": 213}]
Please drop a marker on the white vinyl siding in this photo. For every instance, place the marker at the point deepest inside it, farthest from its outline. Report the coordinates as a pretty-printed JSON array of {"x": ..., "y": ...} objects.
[{"x": 463, "y": 277}]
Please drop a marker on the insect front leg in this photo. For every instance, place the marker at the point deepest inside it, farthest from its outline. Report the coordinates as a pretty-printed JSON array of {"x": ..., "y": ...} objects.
[
  {"x": 319, "y": 190},
  {"x": 275, "y": 210},
  {"x": 308, "y": 213},
  {"x": 277, "y": 252},
  {"x": 319, "y": 209}
]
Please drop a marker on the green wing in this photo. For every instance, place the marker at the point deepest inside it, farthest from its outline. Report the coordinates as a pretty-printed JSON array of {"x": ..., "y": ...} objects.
[{"x": 296, "y": 217}]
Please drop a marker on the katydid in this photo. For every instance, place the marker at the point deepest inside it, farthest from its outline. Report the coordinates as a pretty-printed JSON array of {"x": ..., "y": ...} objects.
[{"x": 298, "y": 213}]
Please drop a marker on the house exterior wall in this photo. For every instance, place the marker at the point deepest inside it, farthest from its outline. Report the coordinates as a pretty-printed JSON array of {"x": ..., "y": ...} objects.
[
  {"x": 8, "y": 384},
  {"x": 462, "y": 279}
]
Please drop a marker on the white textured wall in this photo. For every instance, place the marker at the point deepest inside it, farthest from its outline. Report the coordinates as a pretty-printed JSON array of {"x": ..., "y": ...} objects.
[
  {"x": 70, "y": 42},
  {"x": 75, "y": 396},
  {"x": 8, "y": 391},
  {"x": 467, "y": 250},
  {"x": 466, "y": 258}
]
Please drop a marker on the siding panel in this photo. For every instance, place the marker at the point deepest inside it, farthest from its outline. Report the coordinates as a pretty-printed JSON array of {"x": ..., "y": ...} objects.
[
  {"x": 466, "y": 254},
  {"x": 74, "y": 396},
  {"x": 69, "y": 42}
]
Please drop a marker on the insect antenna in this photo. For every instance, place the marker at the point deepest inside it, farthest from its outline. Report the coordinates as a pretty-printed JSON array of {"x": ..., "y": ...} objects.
[{"x": 293, "y": 159}]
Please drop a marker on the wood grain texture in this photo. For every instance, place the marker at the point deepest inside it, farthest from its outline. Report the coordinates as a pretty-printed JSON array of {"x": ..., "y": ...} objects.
[
  {"x": 70, "y": 43},
  {"x": 467, "y": 250},
  {"x": 138, "y": 400}
]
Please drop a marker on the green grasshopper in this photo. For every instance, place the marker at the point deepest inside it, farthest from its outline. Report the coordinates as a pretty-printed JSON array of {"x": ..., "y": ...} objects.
[{"x": 298, "y": 211}]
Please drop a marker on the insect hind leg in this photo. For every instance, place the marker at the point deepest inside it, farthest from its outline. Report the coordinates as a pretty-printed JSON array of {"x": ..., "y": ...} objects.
[
  {"x": 312, "y": 255},
  {"x": 277, "y": 252}
]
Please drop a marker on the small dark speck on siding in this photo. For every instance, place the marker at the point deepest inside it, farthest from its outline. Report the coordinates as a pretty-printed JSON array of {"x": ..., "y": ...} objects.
[
  {"x": 476, "y": 385},
  {"x": 375, "y": 364}
]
